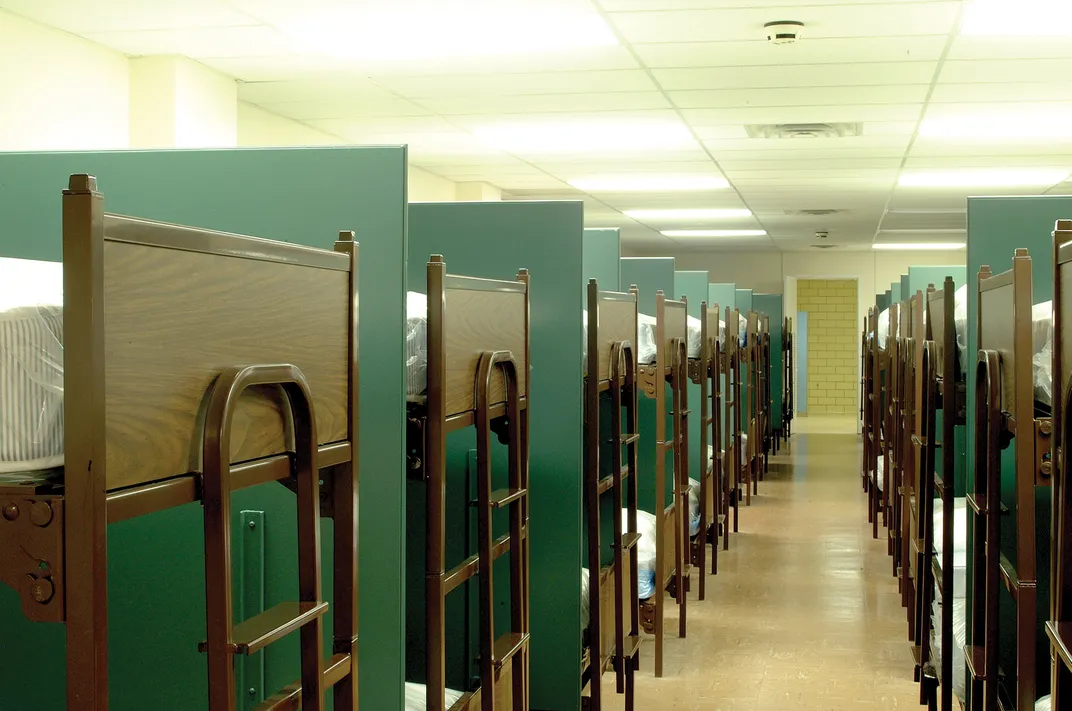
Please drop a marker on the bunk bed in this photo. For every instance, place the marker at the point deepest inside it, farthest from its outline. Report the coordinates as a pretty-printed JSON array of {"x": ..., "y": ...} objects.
[
  {"x": 1059, "y": 625},
  {"x": 706, "y": 494},
  {"x": 911, "y": 447},
  {"x": 939, "y": 632},
  {"x": 750, "y": 414},
  {"x": 763, "y": 358},
  {"x": 670, "y": 367},
  {"x": 787, "y": 379},
  {"x": 734, "y": 436},
  {"x": 1011, "y": 402},
  {"x": 475, "y": 336},
  {"x": 613, "y": 629},
  {"x": 148, "y": 410},
  {"x": 871, "y": 411}
]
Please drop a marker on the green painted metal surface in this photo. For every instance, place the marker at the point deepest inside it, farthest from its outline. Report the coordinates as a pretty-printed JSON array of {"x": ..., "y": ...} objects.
[
  {"x": 882, "y": 301},
  {"x": 906, "y": 289},
  {"x": 546, "y": 238},
  {"x": 996, "y": 227},
  {"x": 650, "y": 275},
  {"x": 895, "y": 292},
  {"x": 156, "y": 563},
  {"x": 889, "y": 297},
  {"x": 692, "y": 286},
  {"x": 771, "y": 305},
  {"x": 919, "y": 278},
  {"x": 601, "y": 258},
  {"x": 743, "y": 299}
]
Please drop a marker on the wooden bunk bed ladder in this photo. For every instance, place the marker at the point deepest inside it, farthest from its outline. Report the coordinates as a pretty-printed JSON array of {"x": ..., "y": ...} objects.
[
  {"x": 510, "y": 647},
  {"x": 624, "y": 401},
  {"x": 305, "y": 616},
  {"x": 1059, "y": 626},
  {"x": 680, "y": 389}
]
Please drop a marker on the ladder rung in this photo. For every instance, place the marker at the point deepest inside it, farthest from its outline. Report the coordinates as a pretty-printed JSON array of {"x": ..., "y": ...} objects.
[
  {"x": 1060, "y": 634},
  {"x": 629, "y": 540},
  {"x": 289, "y": 698},
  {"x": 977, "y": 502},
  {"x": 936, "y": 568},
  {"x": 630, "y": 439},
  {"x": 975, "y": 661},
  {"x": 1009, "y": 577},
  {"x": 917, "y": 654},
  {"x": 681, "y": 413},
  {"x": 272, "y": 625},
  {"x": 667, "y": 444},
  {"x": 507, "y": 646},
  {"x": 707, "y": 421},
  {"x": 686, "y": 570},
  {"x": 505, "y": 497},
  {"x": 631, "y": 646}
]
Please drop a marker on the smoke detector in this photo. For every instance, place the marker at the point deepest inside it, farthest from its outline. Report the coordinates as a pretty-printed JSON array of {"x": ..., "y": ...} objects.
[
  {"x": 783, "y": 31},
  {"x": 822, "y": 234}
]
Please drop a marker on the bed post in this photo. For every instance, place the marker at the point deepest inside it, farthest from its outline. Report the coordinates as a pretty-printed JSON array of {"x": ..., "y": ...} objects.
[
  {"x": 435, "y": 467},
  {"x": 85, "y": 460},
  {"x": 345, "y": 497}
]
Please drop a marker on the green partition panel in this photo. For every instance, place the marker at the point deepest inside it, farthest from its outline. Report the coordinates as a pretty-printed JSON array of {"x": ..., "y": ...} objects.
[
  {"x": 889, "y": 297},
  {"x": 601, "y": 258},
  {"x": 882, "y": 301},
  {"x": 725, "y": 295},
  {"x": 650, "y": 275},
  {"x": 743, "y": 299},
  {"x": 906, "y": 289},
  {"x": 996, "y": 227},
  {"x": 156, "y": 563},
  {"x": 692, "y": 286},
  {"x": 919, "y": 278},
  {"x": 895, "y": 292},
  {"x": 771, "y": 306},
  {"x": 546, "y": 238}
]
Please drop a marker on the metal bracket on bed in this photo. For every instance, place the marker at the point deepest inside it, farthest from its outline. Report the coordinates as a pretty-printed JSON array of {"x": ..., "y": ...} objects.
[
  {"x": 648, "y": 380},
  {"x": 31, "y": 551},
  {"x": 415, "y": 442},
  {"x": 696, "y": 369},
  {"x": 1043, "y": 465}
]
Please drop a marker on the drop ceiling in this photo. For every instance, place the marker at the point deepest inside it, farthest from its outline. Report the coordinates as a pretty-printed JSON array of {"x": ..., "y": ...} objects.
[{"x": 699, "y": 67}]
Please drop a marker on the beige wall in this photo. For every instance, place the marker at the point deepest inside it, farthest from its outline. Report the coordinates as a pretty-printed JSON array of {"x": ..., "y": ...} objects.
[{"x": 832, "y": 344}]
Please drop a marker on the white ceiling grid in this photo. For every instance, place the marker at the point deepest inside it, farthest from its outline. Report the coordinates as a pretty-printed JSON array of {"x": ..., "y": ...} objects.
[{"x": 700, "y": 65}]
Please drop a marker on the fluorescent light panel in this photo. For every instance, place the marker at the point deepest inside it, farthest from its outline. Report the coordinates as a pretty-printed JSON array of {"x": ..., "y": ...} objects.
[
  {"x": 695, "y": 214},
  {"x": 476, "y": 28},
  {"x": 650, "y": 183},
  {"x": 922, "y": 246},
  {"x": 714, "y": 233},
  {"x": 1018, "y": 18},
  {"x": 1047, "y": 177},
  {"x": 586, "y": 137}
]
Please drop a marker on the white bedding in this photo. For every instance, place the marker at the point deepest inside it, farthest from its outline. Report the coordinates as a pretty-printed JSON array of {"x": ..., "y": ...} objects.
[
  {"x": 960, "y": 638},
  {"x": 645, "y": 552},
  {"x": 416, "y": 697},
  {"x": 960, "y": 542},
  {"x": 960, "y": 588}
]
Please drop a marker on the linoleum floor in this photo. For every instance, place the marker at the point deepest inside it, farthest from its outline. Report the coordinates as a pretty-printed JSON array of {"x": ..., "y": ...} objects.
[{"x": 804, "y": 614}]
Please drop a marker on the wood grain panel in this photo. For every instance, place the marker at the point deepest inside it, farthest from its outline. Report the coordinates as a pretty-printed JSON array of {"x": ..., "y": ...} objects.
[
  {"x": 712, "y": 324},
  {"x": 1066, "y": 332},
  {"x": 669, "y": 551},
  {"x": 608, "y": 609},
  {"x": 174, "y": 319},
  {"x": 676, "y": 326},
  {"x": 936, "y": 325},
  {"x": 996, "y": 331},
  {"x": 479, "y": 321},
  {"x": 617, "y": 323}
]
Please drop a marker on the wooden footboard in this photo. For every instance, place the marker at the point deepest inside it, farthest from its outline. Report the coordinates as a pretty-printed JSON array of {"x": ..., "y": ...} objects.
[{"x": 607, "y": 608}]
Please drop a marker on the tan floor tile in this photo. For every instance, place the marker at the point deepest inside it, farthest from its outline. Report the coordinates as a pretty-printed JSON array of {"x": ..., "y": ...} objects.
[{"x": 804, "y": 614}]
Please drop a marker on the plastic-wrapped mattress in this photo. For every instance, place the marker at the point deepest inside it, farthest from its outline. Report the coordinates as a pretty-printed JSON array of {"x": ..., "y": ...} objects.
[{"x": 417, "y": 697}]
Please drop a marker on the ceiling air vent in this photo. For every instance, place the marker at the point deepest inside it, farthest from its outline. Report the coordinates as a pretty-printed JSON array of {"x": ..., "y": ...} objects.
[
  {"x": 805, "y": 130},
  {"x": 823, "y": 246},
  {"x": 819, "y": 212}
]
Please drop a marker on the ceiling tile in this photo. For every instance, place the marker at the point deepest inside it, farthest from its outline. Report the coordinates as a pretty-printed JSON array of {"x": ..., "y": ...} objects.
[
  {"x": 331, "y": 88},
  {"x": 755, "y": 52},
  {"x": 1007, "y": 70},
  {"x": 802, "y": 96},
  {"x": 514, "y": 84},
  {"x": 1002, "y": 92},
  {"x": 796, "y": 76},
  {"x": 637, "y": 5},
  {"x": 820, "y": 21},
  {"x": 546, "y": 103},
  {"x": 283, "y": 67},
  {"x": 995, "y": 48},
  {"x": 804, "y": 114},
  {"x": 196, "y": 43},
  {"x": 127, "y": 15}
]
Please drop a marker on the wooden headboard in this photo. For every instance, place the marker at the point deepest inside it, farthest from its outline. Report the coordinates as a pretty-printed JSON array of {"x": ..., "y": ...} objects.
[
  {"x": 616, "y": 323},
  {"x": 1005, "y": 327},
  {"x": 672, "y": 323},
  {"x": 154, "y": 312},
  {"x": 468, "y": 316}
]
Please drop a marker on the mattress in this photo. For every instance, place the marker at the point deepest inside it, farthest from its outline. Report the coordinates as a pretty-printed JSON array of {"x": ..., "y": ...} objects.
[
  {"x": 960, "y": 638},
  {"x": 645, "y": 552},
  {"x": 584, "y": 599},
  {"x": 879, "y": 475},
  {"x": 694, "y": 507},
  {"x": 960, "y": 542},
  {"x": 417, "y": 697},
  {"x": 31, "y": 389}
]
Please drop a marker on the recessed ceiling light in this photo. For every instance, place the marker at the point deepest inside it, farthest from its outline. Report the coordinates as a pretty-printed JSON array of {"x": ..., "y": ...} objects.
[
  {"x": 1009, "y": 128},
  {"x": 928, "y": 246},
  {"x": 582, "y": 137},
  {"x": 650, "y": 183},
  {"x": 449, "y": 31},
  {"x": 1023, "y": 18},
  {"x": 699, "y": 214},
  {"x": 714, "y": 233},
  {"x": 983, "y": 178}
]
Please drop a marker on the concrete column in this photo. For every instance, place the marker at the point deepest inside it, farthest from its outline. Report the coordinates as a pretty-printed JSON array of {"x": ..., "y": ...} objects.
[{"x": 478, "y": 192}]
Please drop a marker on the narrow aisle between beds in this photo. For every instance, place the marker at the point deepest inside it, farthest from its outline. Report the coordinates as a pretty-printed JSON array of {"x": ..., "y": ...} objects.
[{"x": 803, "y": 613}]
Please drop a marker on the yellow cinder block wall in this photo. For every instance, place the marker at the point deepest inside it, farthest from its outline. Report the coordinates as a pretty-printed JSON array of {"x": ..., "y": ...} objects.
[{"x": 832, "y": 348}]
